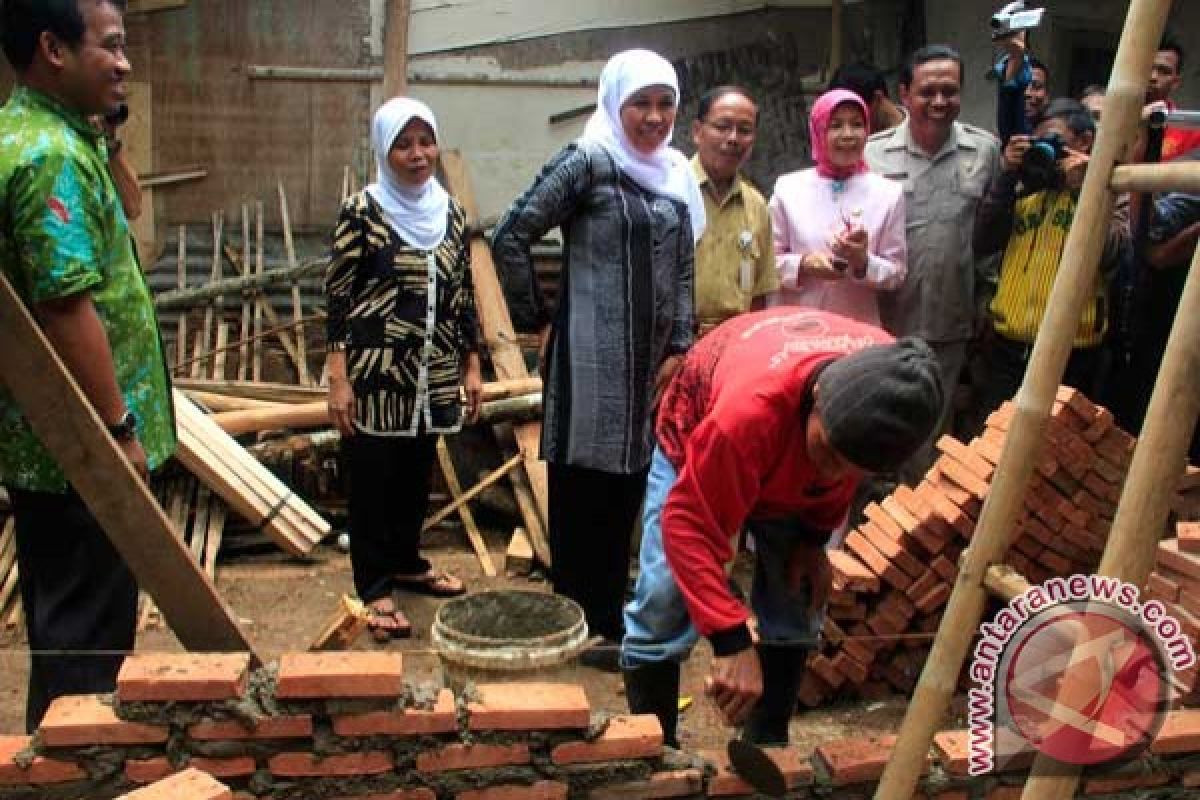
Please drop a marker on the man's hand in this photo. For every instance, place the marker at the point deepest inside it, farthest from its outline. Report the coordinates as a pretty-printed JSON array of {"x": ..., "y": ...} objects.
[
  {"x": 735, "y": 683},
  {"x": 131, "y": 448},
  {"x": 1014, "y": 152},
  {"x": 810, "y": 563},
  {"x": 1074, "y": 167}
]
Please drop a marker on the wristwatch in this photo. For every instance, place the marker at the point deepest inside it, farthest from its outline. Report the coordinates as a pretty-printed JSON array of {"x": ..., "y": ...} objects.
[{"x": 125, "y": 429}]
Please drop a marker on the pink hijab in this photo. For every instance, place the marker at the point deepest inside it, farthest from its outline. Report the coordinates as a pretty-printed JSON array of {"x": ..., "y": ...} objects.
[{"x": 818, "y": 127}]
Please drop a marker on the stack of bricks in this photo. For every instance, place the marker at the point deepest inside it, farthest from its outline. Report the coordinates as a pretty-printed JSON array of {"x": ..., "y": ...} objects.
[
  {"x": 333, "y": 733},
  {"x": 1175, "y": 582},
  {"x": 896, "y": 570}
]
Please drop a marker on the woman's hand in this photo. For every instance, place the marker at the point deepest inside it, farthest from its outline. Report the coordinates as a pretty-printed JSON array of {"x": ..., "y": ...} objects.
[
  {"x": 851, "y": 245},
  {"x": 473, "y": 385},
  {"x": 341, "y": 396},
  {"x": 820, "y": 266}
]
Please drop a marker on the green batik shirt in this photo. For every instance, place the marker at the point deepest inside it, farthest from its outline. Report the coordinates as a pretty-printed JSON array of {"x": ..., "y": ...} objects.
[{"x": 62, "y": 232}]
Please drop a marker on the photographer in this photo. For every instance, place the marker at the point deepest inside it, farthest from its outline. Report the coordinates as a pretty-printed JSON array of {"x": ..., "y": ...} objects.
[
  {"x": 1022, "y": 94},
  {"x": 1027, "y": 214}
]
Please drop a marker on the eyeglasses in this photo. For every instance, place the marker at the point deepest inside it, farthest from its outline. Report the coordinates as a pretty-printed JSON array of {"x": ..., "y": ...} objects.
[{"x": 725, "y": 128}]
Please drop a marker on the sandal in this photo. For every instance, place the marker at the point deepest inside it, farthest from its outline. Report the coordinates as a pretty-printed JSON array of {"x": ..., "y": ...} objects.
[
  {"x": 432, "y": 583},
  {"x": 386, "y": 624}
]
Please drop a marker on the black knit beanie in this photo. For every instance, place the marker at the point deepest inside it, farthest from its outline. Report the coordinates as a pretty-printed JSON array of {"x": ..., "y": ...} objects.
[{"x": 880, "y": 404}]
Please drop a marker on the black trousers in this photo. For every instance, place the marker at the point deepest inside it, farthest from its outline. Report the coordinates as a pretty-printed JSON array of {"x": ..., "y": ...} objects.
[
  {"x": 1006, "y": 360},
  {"x": 389, "y": 497},
  {"x": 592, "y": 515},
  {"x": 79, "y": 596}
]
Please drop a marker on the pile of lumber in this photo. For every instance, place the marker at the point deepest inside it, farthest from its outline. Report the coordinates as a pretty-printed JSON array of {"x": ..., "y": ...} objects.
[
  {"x": 248, "y": 487},
  {"x": 896, "y": 570},
  {"x": 1176, "y": 583}
]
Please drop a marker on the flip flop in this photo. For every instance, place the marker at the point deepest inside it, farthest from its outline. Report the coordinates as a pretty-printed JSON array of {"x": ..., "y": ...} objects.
[
  {"x": 399, "y": 627},
  {"x": 433, "y": 584}
]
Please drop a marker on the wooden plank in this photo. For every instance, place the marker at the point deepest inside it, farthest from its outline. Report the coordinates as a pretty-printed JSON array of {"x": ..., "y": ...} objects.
[
  {"x": 297, "y": 306},
  {"x": 346, "y": 625},
  {"x": 500, "y": 338},
  {"x": 121, "y": 502},
  {"x": 220, "y": 351},
  {"x": 395, "y": 51},
  {"x": 181, "y": 334},
  {"x": 216, "y": 532},
  {"x": 518, "y": 559},
  {"x": 464, "y": 510},
  {"x": 247, "y": 300},
  {"x": 137, "y": 134},
  {"x": 199, "y": 529},
  {"x": 168, "y": 177}
]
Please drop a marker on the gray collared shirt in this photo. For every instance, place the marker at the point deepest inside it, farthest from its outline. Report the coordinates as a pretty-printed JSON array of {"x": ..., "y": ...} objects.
[{"x": 941, "y": 194}]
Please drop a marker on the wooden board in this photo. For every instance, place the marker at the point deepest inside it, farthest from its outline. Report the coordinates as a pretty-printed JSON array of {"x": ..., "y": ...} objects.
[
  {"x": 500, "y": 339},
  {"x": 122, "y": 504},
  {"x": 137, "y": 134}
]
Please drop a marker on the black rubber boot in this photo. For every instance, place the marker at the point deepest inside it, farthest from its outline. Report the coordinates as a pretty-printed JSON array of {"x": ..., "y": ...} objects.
[
  {"x": 654, "y": 689},
  {"x": 782, "y": 669}
]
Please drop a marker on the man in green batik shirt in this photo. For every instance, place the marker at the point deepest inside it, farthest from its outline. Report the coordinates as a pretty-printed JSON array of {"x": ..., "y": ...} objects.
[{"x": 65, "y": 246}]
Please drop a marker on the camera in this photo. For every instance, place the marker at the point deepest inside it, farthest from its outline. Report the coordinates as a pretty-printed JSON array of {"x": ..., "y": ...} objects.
[
  {"x": 117, "y": 116},
  {"x": 1014, "y": 18},
  {"x": 1039, "y": 168}
]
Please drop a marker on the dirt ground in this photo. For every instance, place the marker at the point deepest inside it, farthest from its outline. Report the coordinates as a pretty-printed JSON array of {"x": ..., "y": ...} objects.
[{"x": 284, "y": 603}]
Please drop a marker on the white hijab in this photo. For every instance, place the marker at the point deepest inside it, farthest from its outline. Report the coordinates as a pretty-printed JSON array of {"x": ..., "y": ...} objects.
[
  {"x": 666, "y": 170},
  {"x": 417, "y": 213}
]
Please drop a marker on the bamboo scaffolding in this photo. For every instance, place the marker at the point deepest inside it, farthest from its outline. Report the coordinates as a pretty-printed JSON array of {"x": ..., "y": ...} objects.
[
  {"x": 474, "y": 537},
  {"x": 297, "y": 306},
  {"x": 256, "y": 371},
  {"x": 247, "y": 300}
]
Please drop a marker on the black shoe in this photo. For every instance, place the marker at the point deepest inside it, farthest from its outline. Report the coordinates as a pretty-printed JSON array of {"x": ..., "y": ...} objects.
[
  {"x": 605, "y": 656},
  {"x": 654, "y": 689}
]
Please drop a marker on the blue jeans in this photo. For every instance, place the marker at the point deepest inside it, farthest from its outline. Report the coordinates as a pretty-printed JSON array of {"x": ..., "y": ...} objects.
[{"x": 657, "y": 625}]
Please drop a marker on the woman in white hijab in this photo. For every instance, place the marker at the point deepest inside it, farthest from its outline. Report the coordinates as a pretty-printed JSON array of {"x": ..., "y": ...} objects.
[
  {"x": 630, "y": 211},
  {"x": 403, "y": 344}
]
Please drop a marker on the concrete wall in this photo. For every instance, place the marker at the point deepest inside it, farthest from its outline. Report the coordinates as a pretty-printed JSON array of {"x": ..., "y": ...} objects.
[{"x": 1070, "y": 24}]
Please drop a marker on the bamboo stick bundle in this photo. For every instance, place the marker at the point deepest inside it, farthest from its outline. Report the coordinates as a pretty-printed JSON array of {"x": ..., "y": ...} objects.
[
  {"x": 243, "y": 483},
  {"x": 297, "y": 305}
]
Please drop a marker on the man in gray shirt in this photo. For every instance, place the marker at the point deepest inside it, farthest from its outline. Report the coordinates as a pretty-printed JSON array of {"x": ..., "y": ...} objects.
[{"x": 945, "y": 166}]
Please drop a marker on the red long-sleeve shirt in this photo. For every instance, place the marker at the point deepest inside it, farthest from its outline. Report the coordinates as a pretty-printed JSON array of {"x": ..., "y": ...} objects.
[{"x": 732, "y": 422}]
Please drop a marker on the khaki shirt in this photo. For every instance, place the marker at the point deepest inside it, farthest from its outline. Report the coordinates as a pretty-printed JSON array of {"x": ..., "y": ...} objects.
[
  {"x": 941, "y": 194},
  {"x": 738, "y": 232}
]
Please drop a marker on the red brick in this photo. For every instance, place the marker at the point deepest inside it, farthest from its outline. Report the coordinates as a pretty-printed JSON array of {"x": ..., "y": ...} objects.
[
  {"x": 946, "y": 569},
  {"x": 307, "y": 765},
  {"x": 858, "y": 651},
  {"x": 233, "y": 767},
  {"x": 893, "y": 529},
  {"x": 81, "y": 720},
  {"x": 892, "y": 549},
  {"x": 850, "y": 761},
  {"x": 1189, "y": 599},
  {"x": 306, "y": 676},
  {"x": 932, "y": 524},
  {"x": 876, "y": 561},
  {"x": 1169, "y": 555},
  {"x": 182, "y": 677},
  {"x": 792, "y": 762},
  {"x": 812, "y": 691},
  {"x": 850, "y": 573},
  {"x": 854, "y": 670},
  {"x": 420, "y": 793},
  {"x": 953, "y": 750},
  {"x": 1188, "y": 534},
  {"x": 529, "y": 706},
  {"x": 1125, "y": 783},
  {"x": 934, "y": 599},
  {"x": 1191, "y": 779},
  {"x": 822, "y": 666},
  {"x": 896, "y": 511},
  {"x": 542, "y": 790},
  {"x": 148, "y": 770},
  {"x": 191, "y": 784},
  {"x": 1180, "y": 733},
  {"x": 625, "y": 737},
  {"x": 283, "y": 727},
  {"x": 923, "y": 584},
  {"x": 974, "y": 462},
  {"x": 472, "y": 756},
  {"x": 42, "y": 770},
  {"x": 1028, "y": 546},
  {"x": 954, "y": 515},
  {"x": 659, "y": 786},
  {"x": 409, "y": 722},
  {"x": 1056, "y": 563}
]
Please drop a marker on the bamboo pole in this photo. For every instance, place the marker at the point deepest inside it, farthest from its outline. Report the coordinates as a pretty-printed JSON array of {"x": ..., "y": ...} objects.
[
  {"x": 474, "y": 537},
  {"x": 1183, "y": 176},
  {"x": 261, "y": 280},
  {"x": 287, "y": 393},
  {"x": 395, "y": 50},
  {"x": 247, "y": 300},
  {"x": 1158, "y": 460},
  {"x": 472, "y": 493},
  {"x": 256, "y": 369},
  {"x": 213, "y": 297},
  {"x": 297, "y": 305},
  {"x": 181, "y": 335},
  {"x": 1073, "y": 284}
]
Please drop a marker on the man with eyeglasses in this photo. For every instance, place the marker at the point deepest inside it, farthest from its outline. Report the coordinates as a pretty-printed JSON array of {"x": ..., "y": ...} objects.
[
  {"x": 65, "y": 247},
  {"x": 735, "y": 262}
]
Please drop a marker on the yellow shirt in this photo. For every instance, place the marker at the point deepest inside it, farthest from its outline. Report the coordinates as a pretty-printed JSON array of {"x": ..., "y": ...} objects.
[
  {"x": 738, "y": 231},
  {"x": 1035, "y": 247}
]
